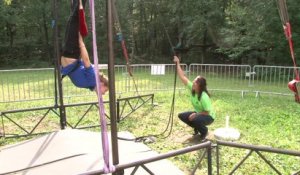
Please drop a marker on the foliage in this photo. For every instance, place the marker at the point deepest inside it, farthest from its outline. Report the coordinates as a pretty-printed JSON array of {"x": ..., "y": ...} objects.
[{"x": 236, "y": 31}]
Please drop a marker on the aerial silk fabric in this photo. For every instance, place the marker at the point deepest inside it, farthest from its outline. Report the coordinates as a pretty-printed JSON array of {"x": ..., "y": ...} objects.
[
  {"x": 108, "y": 167},
  {"x": 82, "y": 24}
]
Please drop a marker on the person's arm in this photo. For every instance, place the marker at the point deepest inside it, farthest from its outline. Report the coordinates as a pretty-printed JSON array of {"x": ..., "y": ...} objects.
[
  {"x": 180, "y": 72},
  {"x": 84, "y": 54}
]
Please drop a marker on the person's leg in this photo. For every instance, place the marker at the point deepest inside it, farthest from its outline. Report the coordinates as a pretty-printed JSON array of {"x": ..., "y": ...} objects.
[
  {"x": 83, "y": 4},
  {"x": 71, "y": 47},
  {"x": 184, "y": 116},
  {"x": 200, "y": 123}
]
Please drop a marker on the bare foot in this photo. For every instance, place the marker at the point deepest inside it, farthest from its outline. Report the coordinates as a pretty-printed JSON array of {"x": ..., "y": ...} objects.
[{"x": 80, "y": 4}]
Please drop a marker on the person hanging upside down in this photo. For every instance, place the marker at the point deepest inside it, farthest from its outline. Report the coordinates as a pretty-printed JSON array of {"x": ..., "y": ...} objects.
[
  {"x": 75, "y": 61},
  {"x": 203, "y": 113}
]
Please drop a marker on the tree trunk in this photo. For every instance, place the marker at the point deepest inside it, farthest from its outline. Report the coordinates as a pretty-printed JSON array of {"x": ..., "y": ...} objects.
[
  {"x": 203, "y": 56},
  {"x": 11, "y": 33},
  {"x": 46, "y": 42}
]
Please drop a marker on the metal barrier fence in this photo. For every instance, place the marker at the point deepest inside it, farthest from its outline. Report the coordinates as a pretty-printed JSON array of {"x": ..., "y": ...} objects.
[
  {"x": 38, "y": 84},
  {"x": 26, "y": 84},
  {"x": 149, "y": 78},
  {"x": 272, "y": 78},
  {"x": 223, "y": 77}
]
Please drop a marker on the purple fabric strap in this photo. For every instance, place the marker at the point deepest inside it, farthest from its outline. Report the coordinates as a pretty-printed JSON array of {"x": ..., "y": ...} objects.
[{"x": 108, "y": 167}]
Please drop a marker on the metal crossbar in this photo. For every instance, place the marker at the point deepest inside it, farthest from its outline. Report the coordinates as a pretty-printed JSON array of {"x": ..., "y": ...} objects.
[
  {"x": 141, "y": 100},
  {"x": 120, "y": 167},
  {"x": 4, "y": 115},
  {"x": 257, "y": 150},
  {"x": 133, "y": 106},
  {"x": 199, "y": 162},
  {"x": 144, "y": 167},
  {"x": 80, "y": 120}
]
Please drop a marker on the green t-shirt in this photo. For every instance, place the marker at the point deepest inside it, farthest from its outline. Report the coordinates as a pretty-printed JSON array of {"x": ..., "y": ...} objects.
[{"x": 204, "y": 104}]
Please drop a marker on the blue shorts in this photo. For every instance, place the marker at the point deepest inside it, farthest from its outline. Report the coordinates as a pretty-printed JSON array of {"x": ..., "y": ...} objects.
[{"x": 80, "y": 76}]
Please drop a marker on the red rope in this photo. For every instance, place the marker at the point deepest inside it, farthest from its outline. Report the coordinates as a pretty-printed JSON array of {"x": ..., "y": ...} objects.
[
  {"x": 292, "y": 84},
  {"x": 283, "y": 13}
]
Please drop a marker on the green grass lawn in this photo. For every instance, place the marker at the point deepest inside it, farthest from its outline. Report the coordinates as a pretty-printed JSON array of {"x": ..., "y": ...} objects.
[
  {"x": 265, "y": 121},
  {"x": 269, "y": 120}
]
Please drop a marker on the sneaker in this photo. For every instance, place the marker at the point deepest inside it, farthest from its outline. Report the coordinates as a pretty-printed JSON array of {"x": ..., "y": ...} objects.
[
  {"x": 203, "y": 137},
  {"x": 196, "y": 132}
]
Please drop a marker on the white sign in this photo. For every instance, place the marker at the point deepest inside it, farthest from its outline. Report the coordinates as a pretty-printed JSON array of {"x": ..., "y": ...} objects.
[{"x": 157, "y": 69}]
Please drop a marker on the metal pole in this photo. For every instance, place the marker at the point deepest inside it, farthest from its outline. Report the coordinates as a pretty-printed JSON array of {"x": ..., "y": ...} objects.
[
  {"x": 62, "y": 110},
  {"x": 259, "y": 148},
  {"x": 118, "y": 111},
  {"x": 111, "y": 77},
  {"x": 218, "y": 159},
  {"x": 209, "y": 161}
]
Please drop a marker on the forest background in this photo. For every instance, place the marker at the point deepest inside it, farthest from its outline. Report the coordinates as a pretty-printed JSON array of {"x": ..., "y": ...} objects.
[{"x": 210, "y": 31}]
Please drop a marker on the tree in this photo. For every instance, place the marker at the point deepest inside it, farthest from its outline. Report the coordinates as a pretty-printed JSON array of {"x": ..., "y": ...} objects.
[{"x": 235, "y": 31}]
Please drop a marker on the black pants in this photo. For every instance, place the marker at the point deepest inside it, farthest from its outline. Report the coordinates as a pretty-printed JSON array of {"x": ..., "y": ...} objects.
[
  {"x": 71, "y": 47},
  {"x": 199, "y": 123}
]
